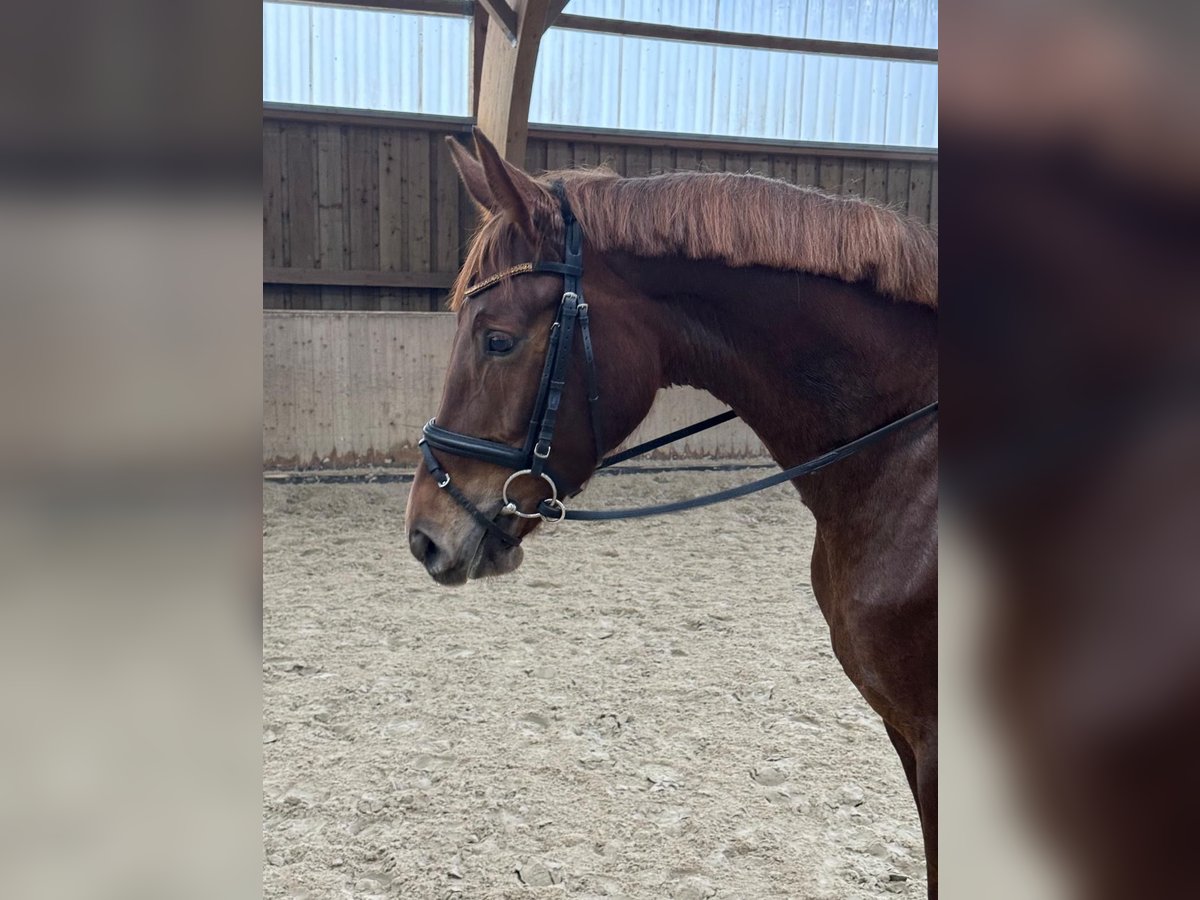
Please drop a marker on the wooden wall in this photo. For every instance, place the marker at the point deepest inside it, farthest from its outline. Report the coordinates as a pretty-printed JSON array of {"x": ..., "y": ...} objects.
[
  {"x": 354, "y": 388},
  {"x": 377, "y": 213},
  {"x": 367, "y": 213},
  {"x": 364, "y": 226}
]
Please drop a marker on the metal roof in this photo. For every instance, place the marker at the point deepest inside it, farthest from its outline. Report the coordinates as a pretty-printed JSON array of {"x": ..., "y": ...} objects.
[{"x": 403, "y": 62}]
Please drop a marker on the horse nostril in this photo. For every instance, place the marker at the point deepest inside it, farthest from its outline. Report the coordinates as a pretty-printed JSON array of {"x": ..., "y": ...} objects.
[{"x": 423, "y": 547}]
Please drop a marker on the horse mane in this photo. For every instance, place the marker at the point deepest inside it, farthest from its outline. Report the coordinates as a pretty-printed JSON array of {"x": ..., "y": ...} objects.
[{"x": 742, "y": 220}]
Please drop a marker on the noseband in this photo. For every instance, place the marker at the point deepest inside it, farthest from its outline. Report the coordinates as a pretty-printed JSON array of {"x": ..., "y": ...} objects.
[{"x": 531, "y": 459}]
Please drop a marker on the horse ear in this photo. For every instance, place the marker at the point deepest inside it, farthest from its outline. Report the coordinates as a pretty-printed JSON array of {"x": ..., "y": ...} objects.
[
  {"x": 470, "y": 170},
  {"x": 514, "y": 191}
]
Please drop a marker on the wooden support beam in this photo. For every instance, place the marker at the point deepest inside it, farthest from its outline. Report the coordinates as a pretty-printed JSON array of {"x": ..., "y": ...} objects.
[
  {"x": 749, "y": 146},
  {"x": 554, "y": 11},
  {"x": 340, "y": 115},
  {"x": 283, "y": 112},
  {"x": 742, "y": 39},
  {"x": 506, "y": 85},
  {"x": 503, "y": 14},
  {"x": 478, "y": 43},
  {"x": 359, "y": 278}
]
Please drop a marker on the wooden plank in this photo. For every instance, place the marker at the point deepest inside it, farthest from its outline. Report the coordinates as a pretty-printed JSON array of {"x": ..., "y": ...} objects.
[
  {"x": 806, "y": 171},
  {"x": 677, "y": 140},
  {"x": 396, "y": 299},
  {"x": 920, "y": 187},
  {"x": 558, "y": 155},
  {"x": 393, "y": 201},
  {"x": 306, "y": 296},
  {"x": 425, "y": 301},
  {"x": 420, "y": 221},
  {"x": 933, "y": 199},
  {"x": 362, "y": 148},
  {"x": 738, "y": 163},
  {"x": 614, "y": 158},
  {"x": 276, "y": 296},
  {"x": 875, "y": 181},
  {"x": 535, "y": 156},
  {"x": 284, "y": 206},
  {"x": 410, "y": 300},
  {"x": 743, "y": 39},
  {"x": 637, "y": 162},
  {"x": 304, "y": 112},
  {"x": 301, "y": 159},
  {"x": 661, "y": 160},
  {"x": 284, "y": 112},
  {"x": 390, "y": 299},
  {"x": 272, "y": 189},
  {"x": 687, "y": 160},
  {"x": 479, "y": 26},
  {"x": 784, "y": 168},
  {"x": 760, "y": 164},
  {"x": 332, "y": 193},
  {"x": 359, "y": 278},
  {"x": 420, "y": 218},
  {"x": 445, "y": 224},
  {"x": 585, "y": 155},
  {"x": 829, "y": 175},
  {"x": 712, "y": 161},
  {"x": 853, "y": 175},
  {"x": 468, "y": 220},
  {"x": 897, "y": 186}
]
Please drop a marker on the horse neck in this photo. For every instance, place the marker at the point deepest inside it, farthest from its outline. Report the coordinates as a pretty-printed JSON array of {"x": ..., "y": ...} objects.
[{"x": 807, "y": 362}]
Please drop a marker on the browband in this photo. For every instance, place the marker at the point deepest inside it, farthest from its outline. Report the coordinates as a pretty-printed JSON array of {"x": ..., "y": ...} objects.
[{"x": 552, "y": 268}]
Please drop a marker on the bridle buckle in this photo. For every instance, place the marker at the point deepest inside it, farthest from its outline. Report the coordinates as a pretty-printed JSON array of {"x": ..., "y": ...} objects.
[{"x": 539, "y": 452}]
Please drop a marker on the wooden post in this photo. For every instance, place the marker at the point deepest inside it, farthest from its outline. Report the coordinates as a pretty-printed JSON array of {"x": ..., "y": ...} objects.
[
  {"x": 554, "y": 11},
  {"x": 479, "y": 25},
  {"x": 506, "y": 84}
]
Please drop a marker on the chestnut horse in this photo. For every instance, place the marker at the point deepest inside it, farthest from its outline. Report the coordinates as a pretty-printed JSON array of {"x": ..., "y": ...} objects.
[{"x": 814, "y": 317}]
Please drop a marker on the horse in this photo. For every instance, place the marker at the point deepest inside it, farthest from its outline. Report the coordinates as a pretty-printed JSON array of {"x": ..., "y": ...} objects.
[{"x": 814, "y": 317}]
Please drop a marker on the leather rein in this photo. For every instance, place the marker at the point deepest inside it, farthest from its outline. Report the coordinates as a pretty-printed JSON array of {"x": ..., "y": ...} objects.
[{"x": 532, "y": 458}]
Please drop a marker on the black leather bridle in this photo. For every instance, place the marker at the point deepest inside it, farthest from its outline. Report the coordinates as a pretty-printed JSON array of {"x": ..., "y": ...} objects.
[{"x": 532, "y": 458}]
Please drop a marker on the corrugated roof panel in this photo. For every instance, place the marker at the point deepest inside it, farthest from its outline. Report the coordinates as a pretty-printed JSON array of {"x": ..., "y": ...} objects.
[
  {"x": 366, "y": 59},
  {"x": 401, "y": 62},
  {"x": 662, "y": 86}
]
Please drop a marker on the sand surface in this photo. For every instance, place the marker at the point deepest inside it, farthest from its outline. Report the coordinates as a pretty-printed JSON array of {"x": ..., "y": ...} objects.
[{"x": 647, "y": 709}]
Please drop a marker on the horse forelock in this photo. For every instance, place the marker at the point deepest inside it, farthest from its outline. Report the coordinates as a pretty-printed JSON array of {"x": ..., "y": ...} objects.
[{"x": 493, "y": 249}]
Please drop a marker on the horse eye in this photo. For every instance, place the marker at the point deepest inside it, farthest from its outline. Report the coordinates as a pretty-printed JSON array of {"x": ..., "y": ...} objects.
[{"x": 499, "y": 343}]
